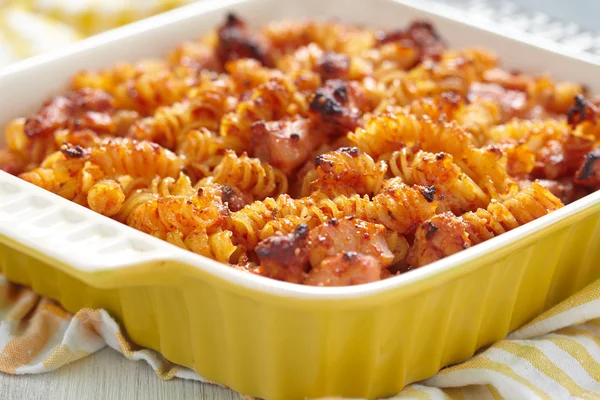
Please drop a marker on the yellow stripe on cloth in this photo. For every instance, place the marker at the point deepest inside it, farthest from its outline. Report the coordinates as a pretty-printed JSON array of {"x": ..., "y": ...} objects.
[
  {"x": 579, "y": 353},
  {"x": 482, "y": 363},
  {"x": 542, "y": 363},
  {"x": 23, "y": 349}
]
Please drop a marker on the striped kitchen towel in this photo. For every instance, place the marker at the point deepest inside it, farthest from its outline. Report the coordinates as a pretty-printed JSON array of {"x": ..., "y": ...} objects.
[{"x": 555, "y": 356}]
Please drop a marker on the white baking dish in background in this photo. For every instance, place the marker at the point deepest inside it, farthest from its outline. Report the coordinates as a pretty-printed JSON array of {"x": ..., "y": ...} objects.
[{"x": 269, "y": 338}]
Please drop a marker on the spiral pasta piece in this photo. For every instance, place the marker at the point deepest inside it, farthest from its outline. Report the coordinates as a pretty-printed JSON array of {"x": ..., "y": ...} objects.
[
  {"x": 109, "y": 79},
  {"x": 250, "y": 175},
  {"x": 549, "y": 149},
  {"x": 159, "y": 216},
  {"x": 204, "y": 109},
  {"x": 458, "y": 192},
  {"x": 106, "y": 197},
  {"x": 395, "y": 131},
  {"x": 217, "y": 246},
  {"x": 478, "y": 118},
  {"x": 248, "y": 73},
  {"x": 400, "y": 208},
  {"x": 202, "y": 151},
  {"x": 147, "y": 91},
  {"x": 68, "y": 178},
  {"x": 121, "y": 156},
  {"x": 247, "y": 223},
  {"x": 195, "y": 55}
]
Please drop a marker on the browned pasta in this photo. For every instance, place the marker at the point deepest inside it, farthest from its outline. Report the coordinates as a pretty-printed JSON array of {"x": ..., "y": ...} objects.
[
  {"x": 314, "y": 152},
  {"x": 121, "y": 156},
  {"x": 69, "y": 178},
  {"x": 250, "y": 175},
  {"x": 459, "y": 193},
  {"x": 204, "y": 109},
  {"x": 106, "y": 197},
  {"x": 203, "y": 151}
]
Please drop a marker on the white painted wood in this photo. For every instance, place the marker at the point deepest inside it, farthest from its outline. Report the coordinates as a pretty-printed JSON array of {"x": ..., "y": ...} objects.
[{"x": 110, "y": 376}]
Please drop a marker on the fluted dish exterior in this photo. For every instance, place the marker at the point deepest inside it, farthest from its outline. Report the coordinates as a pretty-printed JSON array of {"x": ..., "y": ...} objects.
[{"x": 273, "y": 339}]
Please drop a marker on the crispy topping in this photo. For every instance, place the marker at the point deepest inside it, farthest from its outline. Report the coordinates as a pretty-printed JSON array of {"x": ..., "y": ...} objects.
[
  {"x": 333, "y": 65},
  {"x": 430, "y": 229},
  {"x": 285, "y": 257},
  {"x": 581, "y": 110},
  {"x": 589, "y": 172},
  {"x": 237, "y": 41},
  {"x": 353, "y": 151},
  {"x": 428, "y": 192},
  {"x": 73, "y": 151},
  {"x": 84, "y": 109}
]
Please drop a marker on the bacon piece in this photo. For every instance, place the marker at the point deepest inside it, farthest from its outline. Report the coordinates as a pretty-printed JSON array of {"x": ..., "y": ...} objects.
[
  {"x": 420, "y": 35},
  {"x": 79, "y": 110},
  {"x": 337, "y": 107},
  {"x": 237, "y": 41}
]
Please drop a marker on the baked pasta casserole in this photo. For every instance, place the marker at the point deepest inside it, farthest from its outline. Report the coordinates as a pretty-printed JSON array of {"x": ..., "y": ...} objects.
[{"x": 316, "y": 153}]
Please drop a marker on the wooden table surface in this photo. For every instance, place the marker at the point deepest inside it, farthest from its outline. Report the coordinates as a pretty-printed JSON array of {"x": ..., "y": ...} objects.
[{"x": 106, "y": 375}]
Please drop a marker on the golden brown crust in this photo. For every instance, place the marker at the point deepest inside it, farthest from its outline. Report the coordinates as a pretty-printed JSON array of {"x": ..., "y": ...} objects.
[{"x": 285, "y": 257}]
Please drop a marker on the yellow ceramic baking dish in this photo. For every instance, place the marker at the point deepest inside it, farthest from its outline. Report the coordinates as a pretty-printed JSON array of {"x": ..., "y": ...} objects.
[{"x": 274, "y": 339}]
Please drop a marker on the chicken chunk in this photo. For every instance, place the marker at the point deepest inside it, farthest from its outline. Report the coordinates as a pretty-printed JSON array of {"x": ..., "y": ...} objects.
[
  {"x": 344, "y": 269},
  {"x": 285, "y": 144},
  {"x": 439, "y": 237},
  {"x": 513, "y": 102},
  {"x": 284, "y": 257},
  {"x": 349, "y": 234}
]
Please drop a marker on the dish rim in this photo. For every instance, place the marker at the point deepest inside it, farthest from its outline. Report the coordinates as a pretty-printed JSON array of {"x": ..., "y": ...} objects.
[{"x": 259, "y": 283}]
